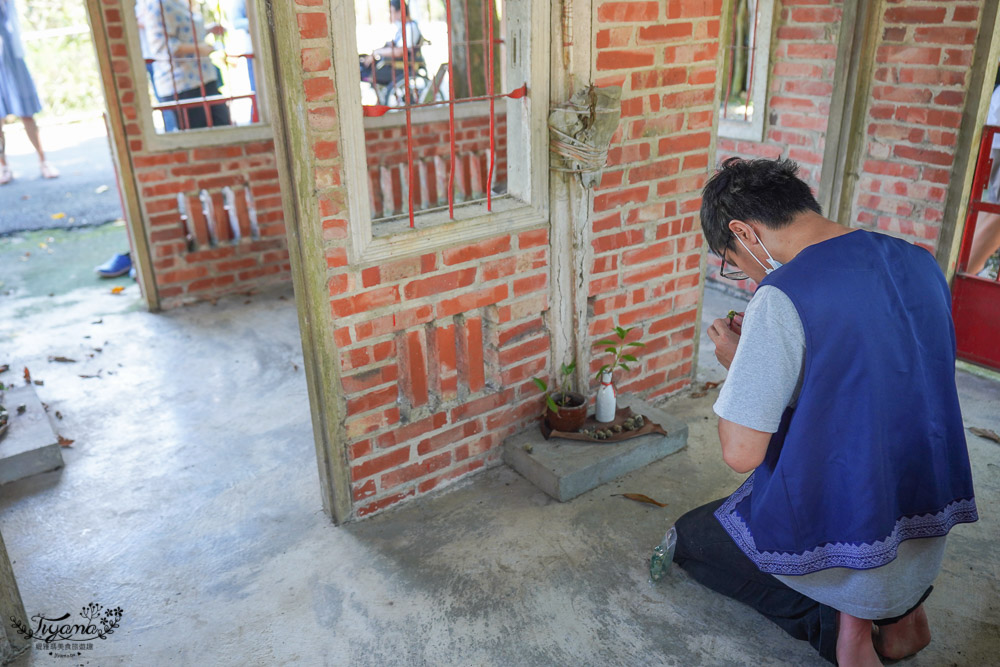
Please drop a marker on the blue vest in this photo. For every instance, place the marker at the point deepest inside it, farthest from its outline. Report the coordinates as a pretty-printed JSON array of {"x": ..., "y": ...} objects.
[{"x": 874, "y": 452}]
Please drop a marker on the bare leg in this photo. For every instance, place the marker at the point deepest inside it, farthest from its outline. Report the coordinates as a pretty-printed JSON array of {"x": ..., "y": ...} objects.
[
  {"x": 31, "y": 129},
  {"x": 5, "y": 174},
  {"x": 985, "y": 241},
  {"x": 905, "y": 637},
  {"x": 854, "y": 642}
]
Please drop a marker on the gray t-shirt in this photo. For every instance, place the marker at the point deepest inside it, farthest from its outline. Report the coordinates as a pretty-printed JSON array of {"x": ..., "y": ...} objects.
[{"x": 764, "y": 379}]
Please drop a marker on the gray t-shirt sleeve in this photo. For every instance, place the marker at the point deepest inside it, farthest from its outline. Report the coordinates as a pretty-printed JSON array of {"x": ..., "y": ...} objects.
[{"x": 766, "y": 374}]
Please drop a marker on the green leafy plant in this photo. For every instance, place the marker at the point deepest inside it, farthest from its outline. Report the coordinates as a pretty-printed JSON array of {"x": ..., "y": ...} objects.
[
  {"x": 618, "y": 349},
  {"x": 558, "y": 396}
]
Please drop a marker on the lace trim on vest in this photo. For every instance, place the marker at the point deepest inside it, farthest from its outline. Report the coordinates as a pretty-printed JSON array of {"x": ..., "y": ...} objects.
[{"x": 857, "y": 556}]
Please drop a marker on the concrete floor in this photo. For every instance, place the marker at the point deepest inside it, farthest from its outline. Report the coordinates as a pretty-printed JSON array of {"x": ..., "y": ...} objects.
[{"x": 190, "y": 499}]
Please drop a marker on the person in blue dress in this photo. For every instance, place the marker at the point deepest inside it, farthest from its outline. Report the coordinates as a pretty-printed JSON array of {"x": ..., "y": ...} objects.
[{"x": 18, "y": 96}]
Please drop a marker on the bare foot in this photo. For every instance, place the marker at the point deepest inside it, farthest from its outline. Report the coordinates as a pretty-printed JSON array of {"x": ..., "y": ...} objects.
[
  {"x": 904, "y": 637},
  {"x": 854, "y": 642}
]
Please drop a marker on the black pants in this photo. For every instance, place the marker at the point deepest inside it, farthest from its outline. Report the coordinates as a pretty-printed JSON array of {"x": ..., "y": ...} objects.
[
  {"x": 195, "y": 116},
  {"x": 707, "y": 553}
]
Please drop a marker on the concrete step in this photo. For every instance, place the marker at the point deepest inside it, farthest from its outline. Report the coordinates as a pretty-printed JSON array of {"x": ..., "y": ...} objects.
[
  {"x": 31, "y": 445},
  {"x": 566, "y": 468}
]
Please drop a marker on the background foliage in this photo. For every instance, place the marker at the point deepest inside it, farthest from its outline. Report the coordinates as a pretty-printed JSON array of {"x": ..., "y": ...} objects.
[{"x": 63, "y": 66}]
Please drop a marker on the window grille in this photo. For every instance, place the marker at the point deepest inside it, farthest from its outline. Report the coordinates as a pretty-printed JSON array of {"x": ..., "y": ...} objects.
[
  {"x": 199, "y": 58},
  {"x": 435, "y": 135}
]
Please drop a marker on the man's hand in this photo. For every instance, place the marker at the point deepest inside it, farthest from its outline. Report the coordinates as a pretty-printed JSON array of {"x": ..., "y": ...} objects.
[
  {"x": 725, "y": 339},
  {"x": 735, "y": 322},
  {"x": 367, "y": 60}
]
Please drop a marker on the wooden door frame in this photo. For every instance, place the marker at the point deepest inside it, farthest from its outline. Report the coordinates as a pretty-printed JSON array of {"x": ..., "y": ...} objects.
[
  {"x": 977, "y": 103},
  {"x": 142, "y": 257},
  {"x": 279, "y": 28}
]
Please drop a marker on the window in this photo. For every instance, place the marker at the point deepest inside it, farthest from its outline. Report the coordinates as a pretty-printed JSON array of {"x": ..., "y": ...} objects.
[
  {"x": 744, "y": 81},
  {"x": 451, "y": 123},
  {"x": 198, "y": 58}
]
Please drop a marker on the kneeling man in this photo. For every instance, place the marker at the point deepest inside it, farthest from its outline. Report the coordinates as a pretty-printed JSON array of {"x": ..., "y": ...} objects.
[{"x": 841, "y": 399}]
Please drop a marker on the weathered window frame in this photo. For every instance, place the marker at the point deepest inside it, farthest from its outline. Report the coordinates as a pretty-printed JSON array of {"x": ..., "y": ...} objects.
[
  {"x": 526, "y": 204},
  {"x": 205, "y": 136},
  {"x": 753, "y": 129}
]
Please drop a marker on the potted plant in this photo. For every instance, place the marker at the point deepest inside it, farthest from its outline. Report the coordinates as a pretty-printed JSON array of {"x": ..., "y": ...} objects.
[
  {"x": 566, "y": 410},
  {"x": 606, "y": 394}
]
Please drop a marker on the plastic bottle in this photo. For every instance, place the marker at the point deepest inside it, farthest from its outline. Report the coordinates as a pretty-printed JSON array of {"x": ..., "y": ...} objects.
[
  {"x": 606, "y": 399},
  {"x": 663, "y": 555}
]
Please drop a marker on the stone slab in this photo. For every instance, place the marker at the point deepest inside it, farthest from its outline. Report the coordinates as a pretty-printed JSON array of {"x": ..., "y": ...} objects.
[
  {"x": 31, "y": 445},
  {"x": 566, "y": 468}
]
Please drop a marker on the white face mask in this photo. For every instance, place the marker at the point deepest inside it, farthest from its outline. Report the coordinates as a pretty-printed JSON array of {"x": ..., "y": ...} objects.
[{"x": 770, "y": 260}]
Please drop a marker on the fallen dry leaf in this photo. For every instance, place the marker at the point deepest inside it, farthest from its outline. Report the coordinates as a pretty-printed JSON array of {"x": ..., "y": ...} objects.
[
  {"x": 58, "y": 415},
  {"x": 58, "y": 216},
  {"x": 4, "y": 368},
  {"x": 638, "y": 497},
  {"x": 699, "y": 394},
  {"x": 40, "y": 383},
  {"x": 27, "y": 375},
  {"x": 985, "y": 433},
  {"x": 710, "y": 385},
  {"x": 64, "y": 360},
  {"x": 65, "y": 442},
  {"x": 117, "y": 290}
]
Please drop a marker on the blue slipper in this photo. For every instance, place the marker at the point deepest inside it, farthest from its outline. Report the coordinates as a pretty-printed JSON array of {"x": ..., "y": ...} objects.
[{"x": 118, "y": 265}]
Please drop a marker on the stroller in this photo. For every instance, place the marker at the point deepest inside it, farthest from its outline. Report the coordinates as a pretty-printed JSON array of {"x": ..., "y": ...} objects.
[{"x": 387, "y": 78}]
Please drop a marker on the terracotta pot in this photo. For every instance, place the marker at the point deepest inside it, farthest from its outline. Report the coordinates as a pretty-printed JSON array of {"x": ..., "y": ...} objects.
[{"x": 571, "y": 416}]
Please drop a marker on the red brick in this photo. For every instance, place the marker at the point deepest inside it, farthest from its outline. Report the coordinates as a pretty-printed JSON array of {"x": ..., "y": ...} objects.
[
  {"x": 372, "y": 400},
  {"x": 464, "y": 468},
  {"x": 624, "y": 59},
  {"x": 476, "y": 251},
  {"x": 472, "y": 300},
  {"x": 908, "y": 55},
  {"x": 439, "y": 283},
  {"x": 365, "y": 301},
  {"x": 379, "y": 505},
  {"x": 930, "y": 15},
  {"x": 621, "y": 12},
  {"x": 315, "y": 59},
  {"x": 471, "y": 359},
  {"x": 533, "y": 238},
  {"x": 312, "y": 25},
  {"x": 381, "y": 463},
  {"x": 411, "y": 472},
  {"x": 664, "y": 32},
  {"x": 449, "y": 437}
]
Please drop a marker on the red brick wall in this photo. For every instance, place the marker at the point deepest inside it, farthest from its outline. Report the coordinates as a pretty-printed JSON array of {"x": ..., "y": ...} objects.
[
  {"x": 800, "y": 84},
  {"x": 437, "y": 351},
  {"x": 917, "y": 97},
  {"x": 647, "y": 245},
  {"x": 206, "y": 272}
]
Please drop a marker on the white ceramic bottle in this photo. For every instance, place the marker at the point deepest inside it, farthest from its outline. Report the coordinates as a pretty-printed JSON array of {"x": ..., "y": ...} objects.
[{"x": 606, "y": 399}]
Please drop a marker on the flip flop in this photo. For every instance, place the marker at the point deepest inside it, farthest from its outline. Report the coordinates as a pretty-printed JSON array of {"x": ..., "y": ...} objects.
[
  {"x": 6, "y": 175},
  {"x": 48, "y": 171}
]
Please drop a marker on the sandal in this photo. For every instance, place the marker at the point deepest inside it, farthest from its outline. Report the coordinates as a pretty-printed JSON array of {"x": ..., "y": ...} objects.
[
  {"x": 48, "y": 171},
  {"x": 6, "y": 175}
]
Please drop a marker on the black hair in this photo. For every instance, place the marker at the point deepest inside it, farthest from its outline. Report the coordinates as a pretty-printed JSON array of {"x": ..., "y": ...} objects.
[
  {"x": 394, "y": 4},
  {"x": 765, "y": 191}
]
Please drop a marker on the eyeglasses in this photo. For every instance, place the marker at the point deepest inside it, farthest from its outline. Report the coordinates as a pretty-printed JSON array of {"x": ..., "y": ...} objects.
[{"x": 733, "y": 274}]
